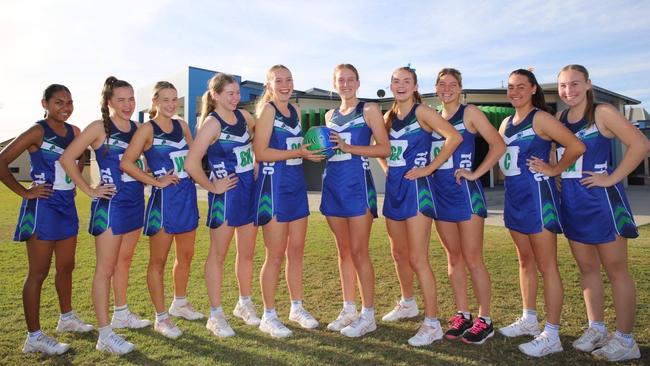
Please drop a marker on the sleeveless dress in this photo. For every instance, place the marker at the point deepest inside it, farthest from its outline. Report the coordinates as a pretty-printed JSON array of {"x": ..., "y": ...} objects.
[
  {"x": 531, "y": 199},
  {"x": 280, "y": 189},
  {"x": 123, "y": 212},
  {"x": 232, "y": 153},
  {"x": 348, "y": 188},
  {"x": 55, "y": 217},
  {"x": 409, "y": 147},
  {"x": 174, "y": 207},
  {"x": 593, "y": 215},
  {"x": 456, "y": 202}
]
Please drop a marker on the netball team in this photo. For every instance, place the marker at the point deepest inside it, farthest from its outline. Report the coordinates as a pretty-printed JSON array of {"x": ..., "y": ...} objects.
[{"x": 558, "y": 179}]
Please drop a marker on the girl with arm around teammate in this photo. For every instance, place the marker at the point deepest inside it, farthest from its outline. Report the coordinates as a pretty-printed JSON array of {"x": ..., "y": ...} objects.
[
  {"x": 171, "y": 214},
  {"x": 462, "y": 208},
  {"x": 408, "y": 203},
  {"x": 225, "y": 134}
]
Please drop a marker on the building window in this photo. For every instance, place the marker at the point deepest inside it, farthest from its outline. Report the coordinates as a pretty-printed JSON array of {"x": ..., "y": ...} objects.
[{"x": 14, "y": 170}]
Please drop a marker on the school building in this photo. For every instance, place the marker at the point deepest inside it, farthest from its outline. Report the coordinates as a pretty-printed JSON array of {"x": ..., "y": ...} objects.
[{"x": 192, "y": 82}]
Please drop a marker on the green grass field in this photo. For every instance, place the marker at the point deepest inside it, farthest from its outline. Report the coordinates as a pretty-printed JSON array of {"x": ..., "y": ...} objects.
[{"x": 386, "y": 346}]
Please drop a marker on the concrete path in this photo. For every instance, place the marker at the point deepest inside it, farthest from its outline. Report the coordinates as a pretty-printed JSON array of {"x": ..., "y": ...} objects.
[{"x": 639, "y": 197}]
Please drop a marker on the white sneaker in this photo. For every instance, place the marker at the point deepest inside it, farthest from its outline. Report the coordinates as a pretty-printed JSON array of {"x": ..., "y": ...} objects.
[
  {"x": 167, "y": 328},
  {"x": 591, "y": 339},
  {"x": 344, "y": 319},
  {"x": 615, "y": 350},
  {"x": 520, "y": 327},
  {"x": 129, "y": 320},
  {"x": 426, "y": 335},
  {"x": 73, "y": 324},
  {"x": 219, "y": 326},
  {"x": 302, "y": 317},
  {"x": 246, "y": 311},
  {"x": 360, "y": 326},
  {"x": 542, "y": 345},
  {"x": 115, "y": 344},
  {"x": 184, "y": 311},
  {"x": 402, "y": 311},
  {"x": 45, "y": 344},
  {"x": 274, "y": 327}
]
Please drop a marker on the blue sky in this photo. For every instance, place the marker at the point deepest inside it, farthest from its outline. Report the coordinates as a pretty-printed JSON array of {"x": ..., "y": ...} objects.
[{"x": 80, "y": 43}]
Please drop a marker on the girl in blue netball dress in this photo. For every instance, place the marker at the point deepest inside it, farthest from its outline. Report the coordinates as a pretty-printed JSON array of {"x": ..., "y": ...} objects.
[
  {"x": 171, "y": 214},
  {"x": 532, "y": 206},
  {"x": 408, "y": 202},
  {"x": 281, "y": 198},
  {"x": 117, "y": 210},
  {"x": 225, "y": 132},
  {"x": 461, "y": 207},
  {"x": 595, "y": 214},
  {"x": 48, "y": 217},
  {"x": 349, "y": 199}
]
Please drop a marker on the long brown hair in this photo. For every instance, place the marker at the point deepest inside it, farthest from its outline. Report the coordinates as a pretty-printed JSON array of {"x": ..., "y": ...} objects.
[
  {"x": 215, "y": 85},
  {"x": 156, "y": 91},
  {"x": 417, "y": 98},
  {"x": 538, "y": 98},
  {"x": 590, "y": 108},
  {"x": 110, "y": 85},
  {"x": 268, "y": 93}
]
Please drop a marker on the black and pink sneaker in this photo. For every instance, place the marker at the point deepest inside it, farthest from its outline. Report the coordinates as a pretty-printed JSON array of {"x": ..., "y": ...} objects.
[
  {"x": 479, "y": 332},
  {"x": 458, "y": 325}
]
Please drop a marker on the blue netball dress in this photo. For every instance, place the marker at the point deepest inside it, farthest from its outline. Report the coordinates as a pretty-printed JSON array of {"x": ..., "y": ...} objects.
[
  {"x": 456, "y": 202},
  {"x": 531, "y": 199},
  {"x": 409, "y": 147},
  {"x": 281, "y": 190},
  {"x": 53, "y": 218},
  {"x": 593, "y": 215},
  {"x": 232, "y": 153},
  {"x": 348, "y": 188},
  {"x": 123, "y": 212},
  {"x": 173, "y": 207}
]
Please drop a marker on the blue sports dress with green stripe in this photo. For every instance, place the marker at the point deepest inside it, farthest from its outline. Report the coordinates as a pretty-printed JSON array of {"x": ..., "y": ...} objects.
[
  {"x": 232, "y": 153},
  {"x": 410, "y": 145},
  {"x": 55, "y": 217},
  {"x": 457, "y": 202},
  {"x": 281, "y": 190},
  {"x": 531, "y": 199},
  {"x": 174, "y": 207},
  {"x": 348, "y": 188},
  {"x": 124, "y": 212},
  {"x": 593, "y": 215}
]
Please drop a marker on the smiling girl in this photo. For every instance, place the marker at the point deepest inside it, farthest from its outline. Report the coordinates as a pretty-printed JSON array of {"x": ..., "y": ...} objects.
[
  {"x": 462, "y": 208},
  {"x": 596, "y": 216},
  {"x": 281, "y": 198},
  {"x": 349, "y": 199},
  {"x": 225, "y": 133},
  {"x": 172, "y": 214},
  {"x": 409, "y": 203},
  {"x": 531, "y": 209},
  {"x": 48, "y": 219}
]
